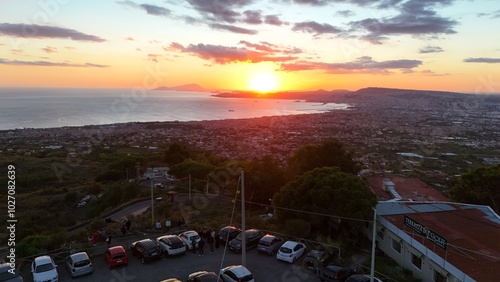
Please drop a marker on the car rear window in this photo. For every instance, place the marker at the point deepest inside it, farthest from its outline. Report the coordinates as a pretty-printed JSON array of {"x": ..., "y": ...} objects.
[
  {"x": 247, "y": 278},
  {"x": 82, "y": 263},
  {"x": 264, "y": 243},
  {"x": 119, "y": 255},
  {"x": 285, "y": 250},
  {"x": 44, "y": 267}
]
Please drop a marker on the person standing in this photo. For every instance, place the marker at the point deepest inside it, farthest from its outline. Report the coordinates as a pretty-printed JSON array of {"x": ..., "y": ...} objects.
[
  {"x": 158, "y": 225},
  {"x": 193, "y": 245},
  {"x": 217, "y": 240},
  {"x": 168, "y": 223},
  {"x": 201, "y": 245},
  {"x": 211, "y": 243},
  {"x": 108, "y": 240}
]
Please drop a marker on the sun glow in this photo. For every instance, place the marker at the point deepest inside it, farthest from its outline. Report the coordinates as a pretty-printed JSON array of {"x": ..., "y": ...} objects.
[{"x": 263, "y": 82}]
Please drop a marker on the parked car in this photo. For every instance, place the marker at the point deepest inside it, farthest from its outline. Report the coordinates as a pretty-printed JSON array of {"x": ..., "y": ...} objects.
[
  {"x": 188, "y": 236},
  {"x": 252, "y": 240},
  {"x": 146, "y": 249},
  {"x": 116, "y": 256},
  {"x": 361, "y": 278},
  {"x": 171, "y": 245},
  {"x": 44, "y": 269},
  {"x": 270, "y": 244},
  {"x": 317, "y": 258},
  {"x": 290, "y": 251},
  {"x": 228, "y": 233},
  {"x": 203, "y": 276},
  {"x": 236, "y": 273},
  {"x": 8, "y": 276},
  {"x": 334, "y": 273},
  {"x": 79, "y": 264}
]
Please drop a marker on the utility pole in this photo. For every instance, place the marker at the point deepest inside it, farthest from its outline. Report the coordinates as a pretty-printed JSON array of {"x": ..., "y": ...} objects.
[
  {"x": 243, "y": 225},
  {"x": 374, "y": 240},
  {"x": 152, "y": 205},
  {"x": 190, "y": 188}
]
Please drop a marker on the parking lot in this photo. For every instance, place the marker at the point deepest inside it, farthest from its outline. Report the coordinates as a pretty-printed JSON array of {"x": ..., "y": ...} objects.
[{"x": 263, "y": 267}]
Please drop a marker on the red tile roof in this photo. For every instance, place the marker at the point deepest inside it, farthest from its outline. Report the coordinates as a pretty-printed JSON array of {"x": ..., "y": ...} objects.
[
  {"x": 473, "y": 240},
  {"x": 408, "y": 188}
]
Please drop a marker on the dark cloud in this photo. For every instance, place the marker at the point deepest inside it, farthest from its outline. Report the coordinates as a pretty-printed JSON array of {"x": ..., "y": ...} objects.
[
  {"x": 273, "y": 20},
  {"x": 47, "y": 64},
  {"x": 483, "y": 60},
  {"x": 44, "y": 31},
  {"x": 49, "y": 49},
  {"x": 271, "y": 48},
  {"x": 233, "y": 28},
  {"x": 252, "y": 17},
  {"x": 345, "y": 13},
  {"x": 312, "y": 2},
  {"x": 225, "y": 54},
  {"x": 315, "y": 28},
  {"x": 360, "y": 65},
  {"x": 491, "y": 15},
  {"x": 220, "y": 10},
  {"x": 150, "y": 9},
  {"x": 416, "y": 17},
  {"x": 431, "y": 49}
]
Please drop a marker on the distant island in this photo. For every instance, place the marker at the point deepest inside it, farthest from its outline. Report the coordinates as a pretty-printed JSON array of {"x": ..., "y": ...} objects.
[
  {"x": 326, "y": 96},
  {"x": 193, "y": 87}
]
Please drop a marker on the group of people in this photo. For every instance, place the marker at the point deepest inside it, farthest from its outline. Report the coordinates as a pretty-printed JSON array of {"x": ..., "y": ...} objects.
[
  {"x": 209, "y": 237},
  {"x": 168, "y": 224}
]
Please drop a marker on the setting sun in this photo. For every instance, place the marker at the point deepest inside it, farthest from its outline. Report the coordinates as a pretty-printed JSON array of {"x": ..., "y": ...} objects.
[{"x": 263, "y": 82}]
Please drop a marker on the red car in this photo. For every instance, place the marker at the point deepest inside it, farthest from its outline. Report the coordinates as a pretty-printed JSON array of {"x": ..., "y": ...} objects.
[{"x": 115, "y": 256}]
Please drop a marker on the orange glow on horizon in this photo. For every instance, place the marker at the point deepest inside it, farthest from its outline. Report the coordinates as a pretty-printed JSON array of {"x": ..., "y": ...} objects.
[{"x": 263, "y": 82}]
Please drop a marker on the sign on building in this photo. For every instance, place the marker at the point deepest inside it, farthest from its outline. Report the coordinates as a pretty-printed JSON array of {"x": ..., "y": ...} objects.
[{"x": 426, "y": 232}]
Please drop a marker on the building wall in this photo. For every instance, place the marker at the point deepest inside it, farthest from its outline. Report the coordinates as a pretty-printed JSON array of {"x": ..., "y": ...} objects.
[{"x": 409, "y": 256}]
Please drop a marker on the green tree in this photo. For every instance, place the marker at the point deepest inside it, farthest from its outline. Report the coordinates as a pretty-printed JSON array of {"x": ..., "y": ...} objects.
[
  {"x": 197, "y": 170},
  {"x": 176, "y": 153},
  {"x": 327, "y": 154},
  {"x": 263, "y": 178},
  {"x": 480, "y": 186},
  {"x": 325, "y": 190}
]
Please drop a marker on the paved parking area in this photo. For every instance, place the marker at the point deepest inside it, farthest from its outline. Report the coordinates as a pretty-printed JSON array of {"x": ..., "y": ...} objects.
[{"x": 264, "y": 268}]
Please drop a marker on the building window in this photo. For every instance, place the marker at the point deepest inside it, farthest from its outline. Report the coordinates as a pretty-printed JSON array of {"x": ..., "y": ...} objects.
[
  {"x": 438, "y": 277},
  {"x": 380, "y": 234},
  {"x": 416, "y": 260},
  {"x": 396, "y": 246}
]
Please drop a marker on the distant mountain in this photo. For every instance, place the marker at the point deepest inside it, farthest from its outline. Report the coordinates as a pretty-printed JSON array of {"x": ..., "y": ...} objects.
[{"x": 185, "y": 87}]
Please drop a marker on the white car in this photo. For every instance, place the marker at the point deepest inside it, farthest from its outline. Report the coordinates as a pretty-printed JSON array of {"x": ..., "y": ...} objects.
[
  {"x": 171, "y": 245},
  {"x": 44, "y": 270},
  {"x": 188, "y": 236},
  {"x": 79, "y": 264},
  {"x": 236, "y": 273},
  {"x": 291, "y": 251}
]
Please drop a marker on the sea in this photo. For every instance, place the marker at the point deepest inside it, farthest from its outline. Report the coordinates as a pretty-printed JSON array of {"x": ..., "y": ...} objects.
[{"x": 59, "y": 107}]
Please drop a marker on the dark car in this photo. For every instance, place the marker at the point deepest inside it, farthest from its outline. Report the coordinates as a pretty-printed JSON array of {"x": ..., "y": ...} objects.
[
  {"x": 228, "y": 233},
  {"x": 270, "y": 244},
  {"x": 146, "y": 249},
  {"x": 317, "y": 259},
  {"x": 252, "y": 240},
  {"x": 334, "y": 273},
  {"x": 7, "y": 275}
]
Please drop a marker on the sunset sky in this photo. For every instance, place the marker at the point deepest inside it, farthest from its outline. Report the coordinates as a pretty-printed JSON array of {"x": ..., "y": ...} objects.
[{"x": 252, "y": 44}]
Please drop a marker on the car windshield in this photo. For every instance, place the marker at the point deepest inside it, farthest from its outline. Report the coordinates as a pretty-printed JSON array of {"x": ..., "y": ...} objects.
[
  {"x": 44, "y": 267},
  {"x": 264, "y": 243},
  {"x": 285, "y": 250}
]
